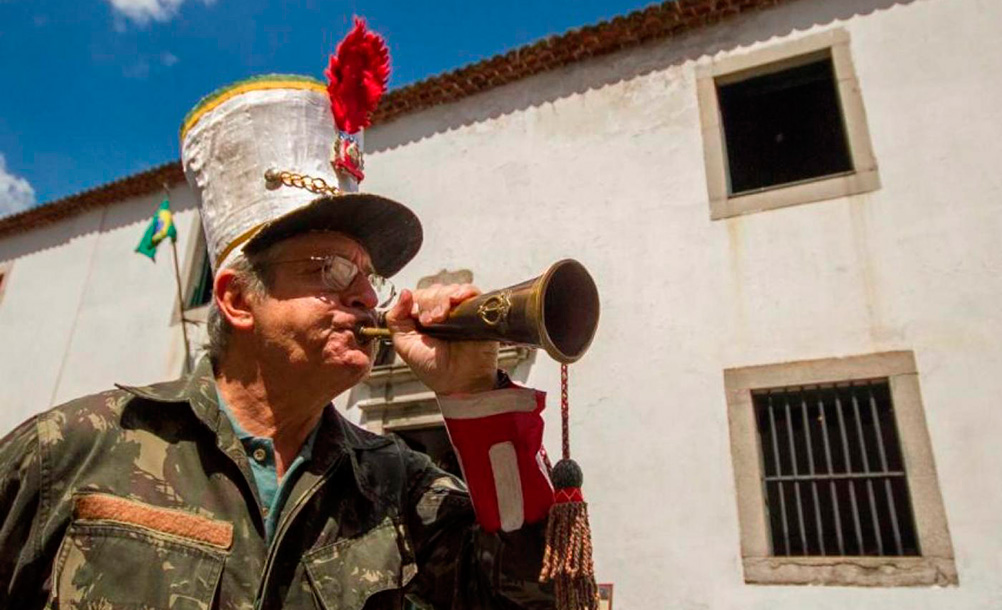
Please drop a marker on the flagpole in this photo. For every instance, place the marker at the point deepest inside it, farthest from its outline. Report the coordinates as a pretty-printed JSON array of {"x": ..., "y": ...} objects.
[
  {"x": 180, "y": 307},
  {"x": 180, "y": 299}
]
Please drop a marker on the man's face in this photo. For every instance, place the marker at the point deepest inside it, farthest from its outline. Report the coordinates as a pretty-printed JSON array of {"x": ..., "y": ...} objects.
[{"x": 304, "y": 324}]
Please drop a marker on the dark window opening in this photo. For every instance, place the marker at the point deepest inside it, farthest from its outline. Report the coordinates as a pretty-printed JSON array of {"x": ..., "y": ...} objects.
[
  {"x": 385, "y": 354},
  {"x": 834, "y": 476},
  {"x": 784, "y": 127},
  {"x": 434, "y": 442},
  {"x": 202, "y": 292}
]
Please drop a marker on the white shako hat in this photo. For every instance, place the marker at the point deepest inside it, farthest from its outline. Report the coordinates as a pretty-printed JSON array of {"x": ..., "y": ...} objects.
[{"x": 278, "y": 155}]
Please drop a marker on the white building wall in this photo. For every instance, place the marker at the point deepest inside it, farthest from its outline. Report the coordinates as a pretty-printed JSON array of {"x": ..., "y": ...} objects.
[
  {"x": 603, "y": 161},
  {"x": 82, "y": 310}
]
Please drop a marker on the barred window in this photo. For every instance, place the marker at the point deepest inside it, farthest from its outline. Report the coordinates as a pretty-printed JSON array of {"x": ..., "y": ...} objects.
[
  {"x": 833, "y": 473},
  {"x": 835, "y": 476}
]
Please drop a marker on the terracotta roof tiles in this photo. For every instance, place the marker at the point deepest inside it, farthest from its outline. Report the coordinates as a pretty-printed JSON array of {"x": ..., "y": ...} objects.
[{"x": 654, "y": 22}]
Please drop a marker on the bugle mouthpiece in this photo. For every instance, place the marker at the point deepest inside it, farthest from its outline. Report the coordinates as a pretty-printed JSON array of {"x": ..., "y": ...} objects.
[{"x": 371, "y": 332}]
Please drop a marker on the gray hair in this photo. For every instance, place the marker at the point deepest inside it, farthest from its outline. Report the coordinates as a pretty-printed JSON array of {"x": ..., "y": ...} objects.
[{"x": 251, "y": 274}]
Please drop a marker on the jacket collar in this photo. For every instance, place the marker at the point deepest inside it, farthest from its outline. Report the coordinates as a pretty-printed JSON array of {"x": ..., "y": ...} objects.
[{"x": 198, "y": 389}]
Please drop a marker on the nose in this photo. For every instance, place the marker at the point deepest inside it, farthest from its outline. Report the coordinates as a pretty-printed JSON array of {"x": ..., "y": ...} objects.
[{"x": 359, "y": 294}]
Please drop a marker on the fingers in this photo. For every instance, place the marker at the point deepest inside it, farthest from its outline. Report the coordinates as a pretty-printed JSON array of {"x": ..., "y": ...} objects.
[
  {"x": 399, "y": 318},
  {"x": 433, "y": 304},
  {"x": 464, "y": 292}
]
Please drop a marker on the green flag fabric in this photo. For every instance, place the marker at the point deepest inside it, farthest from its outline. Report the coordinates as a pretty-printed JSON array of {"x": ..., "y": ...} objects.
[{"x": 160, "y": 228}]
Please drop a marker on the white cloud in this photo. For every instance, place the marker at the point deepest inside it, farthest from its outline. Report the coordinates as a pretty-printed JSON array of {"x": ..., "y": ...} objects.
[
  {"x": 168, "y": 59},
  {"x": 16, "y": 194},
  {"x": 142, "y": 12}
]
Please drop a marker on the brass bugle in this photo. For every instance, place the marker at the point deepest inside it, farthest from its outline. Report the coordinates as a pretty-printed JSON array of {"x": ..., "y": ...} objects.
[{"x": 557, "y": 311}]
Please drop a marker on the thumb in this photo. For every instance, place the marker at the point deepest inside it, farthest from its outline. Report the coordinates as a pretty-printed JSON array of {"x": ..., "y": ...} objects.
[{"x": 398, "y": 318}]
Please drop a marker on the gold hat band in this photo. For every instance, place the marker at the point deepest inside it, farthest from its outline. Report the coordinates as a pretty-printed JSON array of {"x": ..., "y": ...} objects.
[
  {"x": 262, "y": 83},
  {"x": 239, "y": 241}
]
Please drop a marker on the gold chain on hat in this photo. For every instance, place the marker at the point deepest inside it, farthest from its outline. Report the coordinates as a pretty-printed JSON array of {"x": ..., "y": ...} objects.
[{"x": 314, "y": 185}]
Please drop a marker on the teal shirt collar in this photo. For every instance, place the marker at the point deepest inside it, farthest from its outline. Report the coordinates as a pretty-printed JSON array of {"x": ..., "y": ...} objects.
[{"x": 261, "y": 456}]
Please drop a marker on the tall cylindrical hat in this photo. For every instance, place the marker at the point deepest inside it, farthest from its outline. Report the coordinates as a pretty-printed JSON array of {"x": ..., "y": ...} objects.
[{"x": 278, "y": 155}]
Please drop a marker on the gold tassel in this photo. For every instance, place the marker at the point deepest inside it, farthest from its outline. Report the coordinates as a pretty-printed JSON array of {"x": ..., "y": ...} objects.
[{"x": 568, "y": 558}]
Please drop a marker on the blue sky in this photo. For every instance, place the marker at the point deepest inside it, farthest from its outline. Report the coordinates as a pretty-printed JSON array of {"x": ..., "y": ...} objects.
[{"x": 94, "y": 90}]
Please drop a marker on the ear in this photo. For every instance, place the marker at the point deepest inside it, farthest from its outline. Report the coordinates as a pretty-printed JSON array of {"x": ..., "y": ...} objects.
[{"x": 233, "y": 300}]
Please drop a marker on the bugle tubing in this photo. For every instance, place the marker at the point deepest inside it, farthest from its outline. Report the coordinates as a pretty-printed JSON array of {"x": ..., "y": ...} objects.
[{"x": 557, "y": 311}]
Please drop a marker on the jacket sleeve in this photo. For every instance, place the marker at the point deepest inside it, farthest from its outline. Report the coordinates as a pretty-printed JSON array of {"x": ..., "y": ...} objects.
[
  {"x": 22, "y": 572},
  {"x": 498, "y": 438},
  {"x": 463, "y": 564}
]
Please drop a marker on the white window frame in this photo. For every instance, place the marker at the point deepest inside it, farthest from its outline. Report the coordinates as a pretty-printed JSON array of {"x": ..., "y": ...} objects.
[
  {"x": 734, "y": 68},
  {"x": 935, "y": 566}
]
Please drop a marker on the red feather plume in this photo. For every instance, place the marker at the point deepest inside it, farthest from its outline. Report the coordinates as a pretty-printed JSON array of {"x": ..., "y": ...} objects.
[{"x": 357, "y": 76}]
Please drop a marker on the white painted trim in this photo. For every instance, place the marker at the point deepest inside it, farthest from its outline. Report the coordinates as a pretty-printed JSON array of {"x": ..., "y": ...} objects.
[
  {"x": 485, "y": 404},
  {"x": 862, "y": 179},
  {"x": 507, "y": 485}
]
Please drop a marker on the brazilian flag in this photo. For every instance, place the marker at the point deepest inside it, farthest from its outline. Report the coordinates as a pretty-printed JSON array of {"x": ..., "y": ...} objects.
[{"x": 160, "y": 228}]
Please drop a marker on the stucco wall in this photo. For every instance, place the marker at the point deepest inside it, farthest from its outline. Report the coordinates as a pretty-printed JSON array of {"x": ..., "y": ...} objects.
[
  {"x": 81, "y": 310},
  {"x": 603, "y": 161}
]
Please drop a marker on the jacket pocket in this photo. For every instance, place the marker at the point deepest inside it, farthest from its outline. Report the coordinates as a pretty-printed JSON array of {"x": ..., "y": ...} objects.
[
  {"x": 119, "y": 553},
  {"x": 348, "y": 572}
]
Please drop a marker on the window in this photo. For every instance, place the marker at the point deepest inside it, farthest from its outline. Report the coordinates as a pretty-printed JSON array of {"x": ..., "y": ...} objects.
[
  {"x": 197, "y": 279},
  {"x": 833, "y": 472},
  {"x": 201, "y": 288},
  {"x": 835, "y": 476},
  {"x": 784, "y": 126}
]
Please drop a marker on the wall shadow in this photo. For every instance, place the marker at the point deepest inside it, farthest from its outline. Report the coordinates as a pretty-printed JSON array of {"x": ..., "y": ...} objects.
[{"x": 591, "y": 74}]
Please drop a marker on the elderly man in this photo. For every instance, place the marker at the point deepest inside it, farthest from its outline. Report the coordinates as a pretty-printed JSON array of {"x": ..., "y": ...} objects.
[{"x": 241, "y": 486}]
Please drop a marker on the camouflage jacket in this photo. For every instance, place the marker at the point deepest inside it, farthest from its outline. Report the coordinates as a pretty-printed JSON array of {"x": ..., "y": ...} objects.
[{"x": 144, "y": 498}]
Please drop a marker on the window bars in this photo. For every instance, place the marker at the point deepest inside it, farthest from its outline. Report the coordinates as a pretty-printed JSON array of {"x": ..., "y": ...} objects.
[{"x": 833, "y": 473}]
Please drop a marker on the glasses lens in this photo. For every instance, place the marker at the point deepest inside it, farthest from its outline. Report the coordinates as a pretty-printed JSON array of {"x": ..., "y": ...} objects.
[
  {"x": 339, "y": 272},
  {"x": 385, "y": 290}
]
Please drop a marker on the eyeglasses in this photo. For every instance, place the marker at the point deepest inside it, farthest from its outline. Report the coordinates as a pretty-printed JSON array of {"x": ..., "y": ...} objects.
[{"x": 337, "y": 273}]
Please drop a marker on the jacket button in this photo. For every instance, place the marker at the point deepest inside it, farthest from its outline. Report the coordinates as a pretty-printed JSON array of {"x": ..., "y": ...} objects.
[{"x": 260, "y": 454}]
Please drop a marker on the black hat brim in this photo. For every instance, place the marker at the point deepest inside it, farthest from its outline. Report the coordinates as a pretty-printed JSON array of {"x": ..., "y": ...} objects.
[{"x": 389, "y": 231}]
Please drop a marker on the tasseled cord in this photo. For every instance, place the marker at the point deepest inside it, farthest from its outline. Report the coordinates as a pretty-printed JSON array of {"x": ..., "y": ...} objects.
[{"x": 568, "y": 559}]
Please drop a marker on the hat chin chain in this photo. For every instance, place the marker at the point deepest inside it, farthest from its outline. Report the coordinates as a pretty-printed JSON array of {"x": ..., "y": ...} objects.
[
  {"x": 275, "y": 178},
  {"x": 346, "y": 161}
]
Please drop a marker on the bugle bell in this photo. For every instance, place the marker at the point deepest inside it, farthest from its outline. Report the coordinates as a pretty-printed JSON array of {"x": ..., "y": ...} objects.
[{"x": 557, "y": 311}]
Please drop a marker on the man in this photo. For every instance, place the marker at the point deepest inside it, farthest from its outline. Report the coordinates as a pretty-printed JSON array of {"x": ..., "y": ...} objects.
[{"x": 240, "y": 486}]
